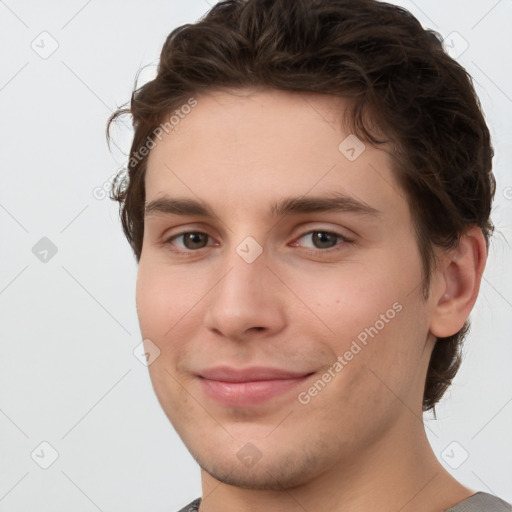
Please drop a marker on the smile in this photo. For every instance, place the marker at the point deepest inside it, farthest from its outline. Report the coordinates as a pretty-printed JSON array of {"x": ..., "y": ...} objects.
[{"x": 248, "y": 387}]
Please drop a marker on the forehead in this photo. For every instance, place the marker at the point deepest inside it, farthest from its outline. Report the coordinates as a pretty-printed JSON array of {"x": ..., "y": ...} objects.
[{"x": 254, "y": 144}]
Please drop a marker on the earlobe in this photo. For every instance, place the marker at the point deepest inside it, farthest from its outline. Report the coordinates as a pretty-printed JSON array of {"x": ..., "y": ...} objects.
[{"x": 459, "y": 283}]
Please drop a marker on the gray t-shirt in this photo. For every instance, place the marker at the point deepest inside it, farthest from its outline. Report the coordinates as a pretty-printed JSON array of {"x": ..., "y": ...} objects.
[{"x": 479, "y": 502}]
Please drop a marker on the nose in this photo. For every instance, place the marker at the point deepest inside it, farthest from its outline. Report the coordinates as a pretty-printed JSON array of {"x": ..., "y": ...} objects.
[{"x": 247, "y": 301}]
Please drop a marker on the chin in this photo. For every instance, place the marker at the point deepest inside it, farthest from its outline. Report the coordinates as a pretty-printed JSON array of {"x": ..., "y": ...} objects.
[{"x": 270, "y": 472}]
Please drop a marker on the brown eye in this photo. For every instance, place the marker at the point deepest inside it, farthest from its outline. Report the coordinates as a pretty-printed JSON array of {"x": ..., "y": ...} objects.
[
  {"x": 324, "y": 240},
  {"x": 192, "y": 240}
]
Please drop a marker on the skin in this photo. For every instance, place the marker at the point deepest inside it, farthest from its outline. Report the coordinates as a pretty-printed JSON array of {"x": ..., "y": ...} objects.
[{"x": 360, "y": 443}]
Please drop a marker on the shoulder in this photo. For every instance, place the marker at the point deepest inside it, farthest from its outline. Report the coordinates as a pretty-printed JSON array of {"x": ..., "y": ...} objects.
[
  {"x": 481, "y": 502},
  {"x": 192, "y": 507}
]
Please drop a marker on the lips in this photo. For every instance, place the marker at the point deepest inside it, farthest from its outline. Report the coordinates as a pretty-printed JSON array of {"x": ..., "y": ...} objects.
[
  {"x": 249, "y": 386},
  {"x": 227, "y": 374}
]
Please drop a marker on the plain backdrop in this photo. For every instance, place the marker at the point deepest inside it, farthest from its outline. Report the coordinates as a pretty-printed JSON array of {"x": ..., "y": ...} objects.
[{"x": 68, "y": 376}]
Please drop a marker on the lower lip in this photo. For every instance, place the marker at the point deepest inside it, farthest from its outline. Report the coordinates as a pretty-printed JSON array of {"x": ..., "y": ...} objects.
[{"x": 248, "y": 393}]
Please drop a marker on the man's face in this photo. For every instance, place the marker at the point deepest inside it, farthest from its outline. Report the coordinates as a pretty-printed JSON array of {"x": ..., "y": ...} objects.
[{"x": 333, "y": 300}]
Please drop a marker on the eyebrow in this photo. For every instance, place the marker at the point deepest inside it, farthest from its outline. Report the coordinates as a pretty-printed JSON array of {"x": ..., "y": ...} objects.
[{"x": 334, "y": 202}]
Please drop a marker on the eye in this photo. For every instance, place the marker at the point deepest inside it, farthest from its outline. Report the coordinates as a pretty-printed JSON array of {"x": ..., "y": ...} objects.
[
  {"x": 324, "y": 241},
  {"x": 192, "y": 240}
]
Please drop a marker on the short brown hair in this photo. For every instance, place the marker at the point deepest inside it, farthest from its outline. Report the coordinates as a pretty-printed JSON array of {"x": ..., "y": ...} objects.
[{"x": 391, "y": 70}]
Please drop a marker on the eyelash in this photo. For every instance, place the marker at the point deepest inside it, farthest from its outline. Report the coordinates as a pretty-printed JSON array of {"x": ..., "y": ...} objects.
[{"x": 336, "y": 248}]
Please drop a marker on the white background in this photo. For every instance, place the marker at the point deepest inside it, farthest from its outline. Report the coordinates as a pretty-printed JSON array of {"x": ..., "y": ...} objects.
[{"x": 67, "y": 372}]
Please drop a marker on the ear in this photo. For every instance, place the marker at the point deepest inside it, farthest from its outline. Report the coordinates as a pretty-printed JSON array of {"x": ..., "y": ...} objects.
[{"x": 457, "y": 283}]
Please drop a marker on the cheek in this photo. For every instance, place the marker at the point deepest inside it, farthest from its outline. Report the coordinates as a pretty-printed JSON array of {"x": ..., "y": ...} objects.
[
  {"x": 387, "y": 366},
  {"x": 150, "y": 302},
  {"x": 349, "y": 299},
  {"x": 373, "y": 378},
  {"x": 163, "y": 297},
  {"x": 163, "y": 303},
  {"x": 168, "y": 304},
  {"x": 376, "y": 320}
]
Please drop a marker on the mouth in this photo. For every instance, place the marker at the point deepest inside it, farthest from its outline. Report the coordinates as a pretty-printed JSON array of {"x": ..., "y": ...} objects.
[{"x": 249, "y": 386}]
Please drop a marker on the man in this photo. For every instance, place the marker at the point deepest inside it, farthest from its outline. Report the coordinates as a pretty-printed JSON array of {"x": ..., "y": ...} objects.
[{"x": 308, "y": 200}]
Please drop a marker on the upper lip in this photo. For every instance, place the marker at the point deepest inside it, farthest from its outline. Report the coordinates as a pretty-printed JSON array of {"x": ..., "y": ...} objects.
[{"x": 251, "y": 374}]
